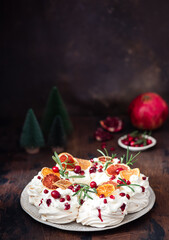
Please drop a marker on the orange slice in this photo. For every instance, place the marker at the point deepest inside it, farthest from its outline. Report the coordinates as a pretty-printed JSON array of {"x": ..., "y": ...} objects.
[
  {"x": 103, "y": 159},
  {"x": 45, "y": 171},
  {"x": 84, "y": 164},
  {"x": 105, "y": 189},
  {"x": 69, "y": 159},
  {"x": 63, "y": 184},
  {"x": 126, "y": 174},
  {"x": 50, "y": 180},
  {"x": 111, "y": 170}
]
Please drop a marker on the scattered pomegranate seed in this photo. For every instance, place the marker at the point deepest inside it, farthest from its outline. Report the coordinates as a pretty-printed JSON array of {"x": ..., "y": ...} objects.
[
  {"x": 101, "y": 196},
  {"x": 144, "y": 178},
  {"x": 78, "y": 187},
  {"x": 123, "y": 206},
  {"x": 122, "y": 194},
  {"x": 128, "y": 182},
  {"x": 100, "y": 170},
  {"x": 55, "y": 194},
  {"x": 143, "y": 189},
  {"x": 118, "y": 170},
  {"x": 39, "y": 177},
  {"x": 77, "y": 169},
  {"x": 45, "y": 191},
  {"x": 105, "y": 201},
  {"x": 67, "y": 206},
  {"x": 68, "y": 198},
  {"x": 41, "y": 201},
  {"x": 112, "y": 177},
  {"x": 112, "y": 149},
  {"x": 62, "y": 199},
  {"x": 82, "y": 172},
  {"x": 48, "y": 202},
  {"x": 71, "y": 187},
  {"x": 101, "y": 166},
  {"x": 103, "y": 145},
  {"x": 93, "y": 184},
  {"x": 55, "y": 169},
  {"x": 95, "y": 165},
  {"x": 112, "y": 196},
  {"x": 81, "y": 201},
  {"x": 128, "y": 196},
  {"x": 92, "y": 170},
  {"x": 120, "y": 182}
]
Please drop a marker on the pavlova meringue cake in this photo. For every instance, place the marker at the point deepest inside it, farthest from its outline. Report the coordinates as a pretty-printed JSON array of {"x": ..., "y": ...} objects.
[{"x": 97, "y": 192}]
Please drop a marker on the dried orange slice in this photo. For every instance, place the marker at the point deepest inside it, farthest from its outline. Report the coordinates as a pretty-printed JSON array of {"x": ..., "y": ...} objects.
[
  {"x": 111, "y": 182},
  {"x": 45, "y": 171},
  {"x": 126, "y": 174},
  {"x": 63, "y": 184},
  {"x": 103, "y": 159},
  {"x": 84, "y": 164},
  {"x": 113, "y": 169},
  {"x": 50, "y": 180},
  {"x": 69, "y": 159},
  {"x": 105, "y": 189}
]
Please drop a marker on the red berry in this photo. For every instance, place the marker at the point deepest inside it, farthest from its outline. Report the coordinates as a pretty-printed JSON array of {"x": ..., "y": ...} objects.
[
  {"x": 125, "y": 142},
  {"x": 55, "y": 169},
  {"x": 112, "y": 177},
  {"x": 122, "y": 194},
  {"x": 92, "y": 170},
  {"x": 112, "y": 197},
  {"x": 101, "y": 166},
  {"x": 143, "y": 189},
  {"x": 128, "y": 196},
  {"x": 67, "y": 206},
  {"x": 77, "y": 169},
  {"x": 62, "y": 199},
  {"x": 105, "y": 201},
  {"x": 68, "y": 198},
  {"x": 45, "y": 191},
  {"x": 149, "y": 141},
  {"x": 120, "y": 182},
  {"x": 123, "y": 206},
  {"x": 93, "y": 184},
  {"x": 101, "y": 196},
  {"x": 55, "y": 194},
  {"x": 39, "y": 177},
  {"x": 130, "y": 138},
  {"x": 48, "y": 202},
  {"x": 144, "y": 178},
  {"x": 78, "y": 187},
  {"x": 128, "y": 182},
  {"x": 118, "y": 170},
  {"x": 91, "y": 160},
  {"x": 132, "y": 144},
  {"x": 71, "y": 187},
  {"x": 100, "y": 170},
  {"x": 82, "y": 172},
  {"x": 81, "y": 201}
]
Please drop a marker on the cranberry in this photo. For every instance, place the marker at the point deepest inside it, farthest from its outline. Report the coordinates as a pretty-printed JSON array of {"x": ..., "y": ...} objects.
[
  {"x": 132, "y": 144},
  {"x": 143, "y": 189},
  {"x": 128, "y": 182},
  {"x": 55, "y": 194},
  {"x": 68, "y": 198},
  {"x": 100, "y": 170},
  {"x": 62, "y": 199},
  {"x": 130, "y": 138},
  {"x": 101, "y": 196},
  {"x": 91, "y": 160},
  {"x": 112, "y": 177},
  {"x": 82, "y": 172},
  {"x": 92, "y": 170},
  {"x": 81, "y": 201},
  {"x": 48, "y": 202},
  {"x": 144, "y": 178},
  {"x": 112, "y": 197},
  {"x": 149, "y": 141},
  {"x": 125, "y": 142},
  {"x": 55, "y": 169},
  {"x": 67, "y": 206},
  {"x": 105, "y": 201},
  {"x": 128, "y": 196},
  {"x": 45, "y": 191},
  {"x": 93, "y": 184},
  {"x": 123, "y": 206},
  {"x": 122, "y": 194},
  {"x": 118, "y": 170},
  {"x": 39, "y": 177},
  {"x": 141, "y": 145},
  {"x": 77, "y": 169}
]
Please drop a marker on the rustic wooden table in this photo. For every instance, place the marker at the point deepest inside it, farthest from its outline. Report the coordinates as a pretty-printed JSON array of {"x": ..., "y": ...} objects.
[{"x": 17, "y": 168}]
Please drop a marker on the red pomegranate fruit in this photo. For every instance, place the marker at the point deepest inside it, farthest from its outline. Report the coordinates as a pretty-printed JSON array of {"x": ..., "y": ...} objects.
[
  {"x": 112, "y": 124},
  {"x": 148, "y": 111}
]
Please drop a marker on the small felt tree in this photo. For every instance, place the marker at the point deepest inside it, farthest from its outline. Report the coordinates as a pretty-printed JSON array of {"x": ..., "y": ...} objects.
[
  {"x": 55, "y": 106},
  {"x": 31, "y": 136},
  {"x": 57, "y": 137}
]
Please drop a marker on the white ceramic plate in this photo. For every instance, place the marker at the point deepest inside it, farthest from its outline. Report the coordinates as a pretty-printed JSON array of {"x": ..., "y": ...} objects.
[
  {"x": 137, "y": 148},
  {"x": 33, "y": 212}
]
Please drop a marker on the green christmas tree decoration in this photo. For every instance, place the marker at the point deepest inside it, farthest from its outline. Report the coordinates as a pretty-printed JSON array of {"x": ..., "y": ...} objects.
[
  {"x": 31, "y": 137},
  {"x": 57, "y": 136},
  {"x": 55, "y": 106}
]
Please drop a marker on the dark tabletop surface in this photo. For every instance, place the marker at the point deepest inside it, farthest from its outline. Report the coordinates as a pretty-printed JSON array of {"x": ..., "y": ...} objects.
[{"x": 17, "y": 169}]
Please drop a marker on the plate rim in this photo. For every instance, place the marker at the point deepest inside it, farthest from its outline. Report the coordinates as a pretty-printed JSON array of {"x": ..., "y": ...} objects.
[{"x": 83, "y": 228}]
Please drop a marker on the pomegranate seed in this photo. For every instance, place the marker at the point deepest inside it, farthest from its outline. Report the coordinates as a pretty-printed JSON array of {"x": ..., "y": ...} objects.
[
  {"x": 122, "y": 194},
  {"x": 71, "y": 187},
  {"x": 112, "y": 197},
  {"x": 77, "y": 169},
  {"x": 101, "y": 196},
  {"x": 103, "y": 145},
  {"x": 48, "y": 202},
  {"x": 68, "y": 198},
  {"x": 95, "y": 165},
  {"x": 39, "y": 177},
  {"x": 100, "y": 170},
  {"x": 67, "y": 206},
  {"x": 128, "y": 196},
  {"x": 137, "y": 145},
  {"x": 118, "y": 170},
  {"x": 119, "y": 161},
  {"x": 55, "y": 194},
  {"x": 55, "y": 169},
  {"x": 78, "y": 187},
  {"x": 45, "y": 191},
  {"x": 128, "y": 182},
  {"x": 101, "y": 166},
  {"x": 82, "y": 172},
  {"x": 91, "y": 160},
  {"x": 123, "y": 206},
  {"x": 112, "y": 149},
  {"x": 81, "y": 201},
  {"x": 120, "y": 182},
  {"x": 143, "y": 189},
  {"x": 124, "y": 179},
  {"x": 93, "y": 184},
  {"x": 144, "y": 178},
  {"x": 92, "y": 170},
  {"x": 62, "y": 199},
  {"x": 105, "y": 201},
  {"x": 112, "y": 177}
]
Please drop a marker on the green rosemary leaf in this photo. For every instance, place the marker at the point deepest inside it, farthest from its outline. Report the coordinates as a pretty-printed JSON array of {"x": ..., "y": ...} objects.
[
  {"x": 127, "y": 155},
  {"x": 89, "y": 196},
  {"x": 106, "y": 151},
  {"x": 134, "y": 133},
  {"x": 101, "y": 152},
  {"x": 76, "y": 193},
  {"x": 77, "y": 176},
  {"x": 131, "y": 188},
  {"x": 122, "y": 180}
]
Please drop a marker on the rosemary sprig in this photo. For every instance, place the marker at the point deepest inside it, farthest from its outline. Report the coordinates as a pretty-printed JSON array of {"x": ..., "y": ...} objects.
[
  {"x": 129, "y": 160},
  {"x": 83, "y": 192},
  {"x": 62, "y": 171},
  {"x": 127, "y": 185},
  {"x": 109, "y": 161}
]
